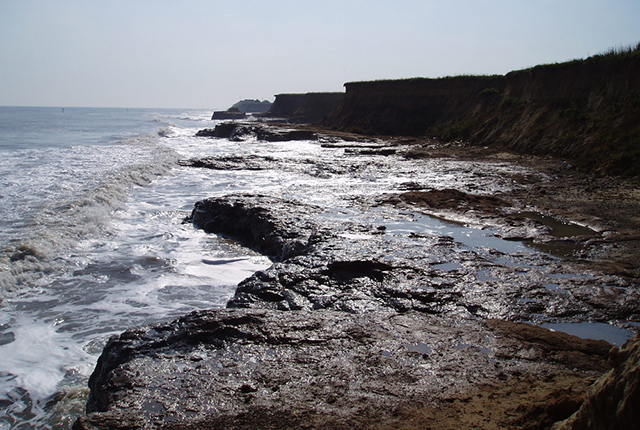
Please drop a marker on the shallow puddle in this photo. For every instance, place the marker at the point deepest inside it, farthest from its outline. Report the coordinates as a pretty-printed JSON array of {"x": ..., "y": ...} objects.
[
  {"x": 421, "y": 348},
  {"x": 414, "y": 223},
  {"x": 593, "y": 330},
  {"x": 557, "y": 227},
  {"x": 567, "y": 237}
]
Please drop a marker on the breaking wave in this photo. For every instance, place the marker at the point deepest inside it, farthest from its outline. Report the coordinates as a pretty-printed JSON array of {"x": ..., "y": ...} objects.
[{"x": 76, "y": 203}]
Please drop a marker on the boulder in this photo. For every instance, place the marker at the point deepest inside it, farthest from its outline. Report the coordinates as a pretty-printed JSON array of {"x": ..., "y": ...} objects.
[
  {"x": 247, "y": 219},
  {"x": 228, "y": 114}
]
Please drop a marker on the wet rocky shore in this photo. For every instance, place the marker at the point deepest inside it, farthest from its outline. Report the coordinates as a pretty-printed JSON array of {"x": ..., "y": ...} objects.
[{"x": 417, "y": 307}]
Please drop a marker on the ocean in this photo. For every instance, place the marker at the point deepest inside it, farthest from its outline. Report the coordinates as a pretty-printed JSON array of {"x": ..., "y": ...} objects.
[{"x": 92, "y": 243}]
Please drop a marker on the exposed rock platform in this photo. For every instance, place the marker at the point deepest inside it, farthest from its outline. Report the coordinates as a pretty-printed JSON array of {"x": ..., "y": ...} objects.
[
  {"x": 250, "y": 369},
  {"x": 339, "y": 337},
  {"x": 371, "y": 326}
]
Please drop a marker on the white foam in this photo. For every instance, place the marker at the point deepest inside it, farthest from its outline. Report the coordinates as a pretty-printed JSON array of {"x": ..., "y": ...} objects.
[
  {"x": 39, "y": 358},
  {"x": 353, "y": 236}
]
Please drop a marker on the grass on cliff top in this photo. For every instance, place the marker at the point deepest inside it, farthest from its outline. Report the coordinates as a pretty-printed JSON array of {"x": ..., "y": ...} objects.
[
  {"x": 422, "y": 79},
  {"x": 620, "y": 51},
  {"x": 615, "y": 53}
]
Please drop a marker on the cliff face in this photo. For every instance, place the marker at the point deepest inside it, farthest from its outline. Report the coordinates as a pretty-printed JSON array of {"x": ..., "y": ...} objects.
[
  {"x": 587, "y": 111},
  {"x": 285, "y": 105},
  {"x": 252, "y": 106},
  {"x": 305, "y": 108}
]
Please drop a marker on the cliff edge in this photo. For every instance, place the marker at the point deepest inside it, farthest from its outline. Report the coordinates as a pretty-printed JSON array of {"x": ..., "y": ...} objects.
[{"x": 587, "y": 111}]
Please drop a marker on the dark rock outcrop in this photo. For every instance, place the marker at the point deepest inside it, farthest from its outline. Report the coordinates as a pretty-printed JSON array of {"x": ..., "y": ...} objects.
[
  {"x": 241, "y": 131},
  {"x": 222, "y": 130},
  {"x": 252, "y": 106},
  {"x": 587, "y": 111},
  {"x": 248, "y": 220},
  {"x": 270, "y": 133},
  {"x": 232, "y": 162}
]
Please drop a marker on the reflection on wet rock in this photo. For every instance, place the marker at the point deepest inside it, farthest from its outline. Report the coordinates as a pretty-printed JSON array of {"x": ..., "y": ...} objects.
[
  {"x": 240, "y": 368},
  {"x": 396, "y": 287},
  {"x": 325, "y": 262}
]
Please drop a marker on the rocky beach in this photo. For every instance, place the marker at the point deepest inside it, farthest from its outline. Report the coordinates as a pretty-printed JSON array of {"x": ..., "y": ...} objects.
[{"x": 475, "y": 288}]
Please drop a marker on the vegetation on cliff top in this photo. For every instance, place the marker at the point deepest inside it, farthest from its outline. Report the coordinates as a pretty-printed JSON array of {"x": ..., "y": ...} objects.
[
  {"x": 618, "y": 53},
  {"x": 615, "y": 53}
]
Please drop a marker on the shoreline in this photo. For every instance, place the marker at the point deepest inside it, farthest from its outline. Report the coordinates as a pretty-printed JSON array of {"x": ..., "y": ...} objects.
[{"x": 564, "y": 193}]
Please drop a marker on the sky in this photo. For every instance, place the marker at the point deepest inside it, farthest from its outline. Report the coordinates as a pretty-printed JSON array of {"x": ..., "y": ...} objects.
[{"x": 212, "y": 53}]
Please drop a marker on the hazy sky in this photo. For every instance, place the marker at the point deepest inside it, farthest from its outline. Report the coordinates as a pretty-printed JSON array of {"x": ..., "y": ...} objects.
[{"x": 197, "y": 53}]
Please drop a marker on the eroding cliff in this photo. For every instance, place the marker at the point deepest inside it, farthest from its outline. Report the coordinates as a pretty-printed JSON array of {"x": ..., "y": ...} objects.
[
  {"x": 587, "y": 111},
  {"x": 305, "y": 108}
]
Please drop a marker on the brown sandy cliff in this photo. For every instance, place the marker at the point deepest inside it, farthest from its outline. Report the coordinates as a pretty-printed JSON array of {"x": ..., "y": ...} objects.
[{"x": 587, "y": 111}]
